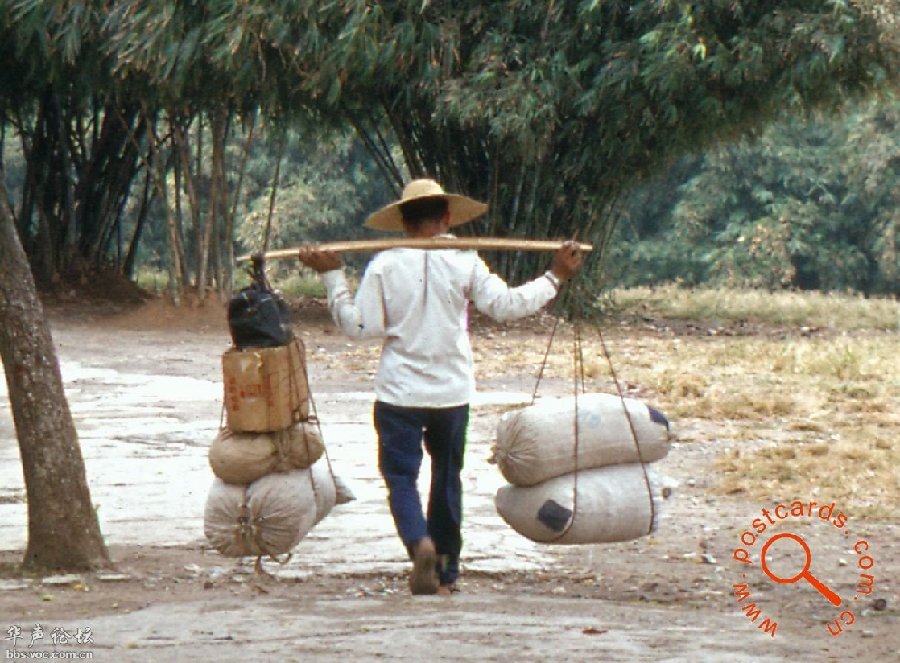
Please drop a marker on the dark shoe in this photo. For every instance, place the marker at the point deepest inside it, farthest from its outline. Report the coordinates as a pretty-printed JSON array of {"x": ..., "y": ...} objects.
[{"x": 424, "y": 578}]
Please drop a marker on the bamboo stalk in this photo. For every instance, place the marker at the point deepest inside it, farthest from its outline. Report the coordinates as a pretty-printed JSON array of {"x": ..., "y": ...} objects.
[{"x": 477, "y": 243}]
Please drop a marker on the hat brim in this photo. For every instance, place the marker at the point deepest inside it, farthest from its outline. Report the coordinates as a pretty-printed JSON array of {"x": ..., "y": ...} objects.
[{"x": 462, "y": 210}]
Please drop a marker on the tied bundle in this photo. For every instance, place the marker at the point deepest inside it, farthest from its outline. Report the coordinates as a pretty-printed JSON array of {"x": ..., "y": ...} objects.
[
  {"x": 579, "y": 469},
  {"x": 273, "y": 478}
]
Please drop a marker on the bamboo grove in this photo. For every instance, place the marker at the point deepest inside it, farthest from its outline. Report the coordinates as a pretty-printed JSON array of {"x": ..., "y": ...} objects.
[{"x": 550, "y": 110}]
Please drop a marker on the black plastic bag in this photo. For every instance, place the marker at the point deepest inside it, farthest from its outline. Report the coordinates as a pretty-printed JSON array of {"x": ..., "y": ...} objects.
[{"x": 257, "y": 315}]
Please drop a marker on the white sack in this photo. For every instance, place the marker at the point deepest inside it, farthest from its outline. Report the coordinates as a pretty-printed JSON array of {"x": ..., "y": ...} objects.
[
  {"x": 343, "y": 493},
  {"x": 269, "y": 516},
  {"x": 242, "y": 458},
  {"x": 326, "y": 490},
  {"x": 537, "y": 442},
  {"x": 613, "y": 504}
]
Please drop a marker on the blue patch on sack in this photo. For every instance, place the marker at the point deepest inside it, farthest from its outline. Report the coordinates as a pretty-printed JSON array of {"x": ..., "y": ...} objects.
[
  {"x": 658, "y": 417},
  {"x": 554, "y": 516}
]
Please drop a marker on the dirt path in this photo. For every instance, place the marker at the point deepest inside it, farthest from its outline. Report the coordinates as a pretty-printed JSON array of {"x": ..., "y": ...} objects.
[{"x": 145, "y": 391}]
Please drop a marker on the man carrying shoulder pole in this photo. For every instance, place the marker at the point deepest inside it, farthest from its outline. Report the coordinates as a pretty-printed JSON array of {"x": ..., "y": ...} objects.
[{"x": 417, "y": 300}]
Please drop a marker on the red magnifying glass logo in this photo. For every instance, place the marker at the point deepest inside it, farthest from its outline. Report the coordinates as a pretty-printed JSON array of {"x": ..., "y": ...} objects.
[{"x": 819, "y": 586}]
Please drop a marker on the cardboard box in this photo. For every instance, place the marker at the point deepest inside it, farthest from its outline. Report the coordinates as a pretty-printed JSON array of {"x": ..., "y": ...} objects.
[{"x": 265, "y": 388}]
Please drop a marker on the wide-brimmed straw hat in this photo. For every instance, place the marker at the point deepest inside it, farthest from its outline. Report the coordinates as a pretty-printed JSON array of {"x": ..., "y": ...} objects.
[{"x": 462, "y": 208}]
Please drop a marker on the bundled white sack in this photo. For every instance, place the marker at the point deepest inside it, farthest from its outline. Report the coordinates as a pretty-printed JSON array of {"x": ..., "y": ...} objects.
[
  {"x": 613, "y": 504},
  {"x": 343, "y": 493},
  {"x": 271, "y": 515},
  {"x": 242, "y": 458},
  {"x": 537, "y": 442}
]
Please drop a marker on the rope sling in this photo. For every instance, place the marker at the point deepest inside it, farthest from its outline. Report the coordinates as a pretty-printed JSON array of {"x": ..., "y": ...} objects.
[
  {"x": 248, "y": 532},
  {"x": 578, "y": 387}
]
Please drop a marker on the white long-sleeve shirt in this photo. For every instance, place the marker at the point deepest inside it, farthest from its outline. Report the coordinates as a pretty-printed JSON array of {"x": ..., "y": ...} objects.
[{"x": 417, "y": 300}]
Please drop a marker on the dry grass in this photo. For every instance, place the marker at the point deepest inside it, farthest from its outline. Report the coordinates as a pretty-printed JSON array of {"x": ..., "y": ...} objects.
[
  {"x": 842, "y": 312},
  {"x": 810, "y": 413}
]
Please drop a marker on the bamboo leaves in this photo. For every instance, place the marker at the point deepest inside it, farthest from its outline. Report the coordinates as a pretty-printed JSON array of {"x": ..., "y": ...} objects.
[{"x": 551, "y": 110}]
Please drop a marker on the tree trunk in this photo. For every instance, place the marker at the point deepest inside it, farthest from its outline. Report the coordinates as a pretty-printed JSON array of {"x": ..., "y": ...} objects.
[
  {"x": 217, "y": 202},
  {"x": 63, "y": 532},
  {"x": 219, "y": 256},
  {"x": 176, "y": 247},
  {"x": 227, "y": 284},
  {"x": 67, "y": 209},
  {"x": 131, "y": 256},
  {"x": 105, "y": 180},
  {"x": 184, "y": 181}
]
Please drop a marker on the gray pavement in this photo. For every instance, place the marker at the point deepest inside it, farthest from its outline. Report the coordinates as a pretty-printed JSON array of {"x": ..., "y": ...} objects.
[
  {"x": 145, "y": 423},
  {"x": 145, "y": 438}
]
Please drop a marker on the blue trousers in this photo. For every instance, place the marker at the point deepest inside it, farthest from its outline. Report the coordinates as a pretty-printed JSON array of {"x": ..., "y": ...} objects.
[{"x": 401, "y": 433}]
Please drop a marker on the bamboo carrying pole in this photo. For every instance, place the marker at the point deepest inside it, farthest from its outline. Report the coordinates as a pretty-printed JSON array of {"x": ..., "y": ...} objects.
[{"x": 477, "y": 243}]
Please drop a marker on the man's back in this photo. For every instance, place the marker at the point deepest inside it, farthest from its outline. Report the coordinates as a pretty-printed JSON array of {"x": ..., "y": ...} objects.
[
  {"x": 417, "y": 301},
  {"x": 421, "y": 298}
]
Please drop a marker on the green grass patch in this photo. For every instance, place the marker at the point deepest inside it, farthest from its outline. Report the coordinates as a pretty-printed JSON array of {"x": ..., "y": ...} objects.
[
  {"x": 301, "y": 285},
  {"x": 289, "y": 282},
  {"x": 152, "y": 280}
]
